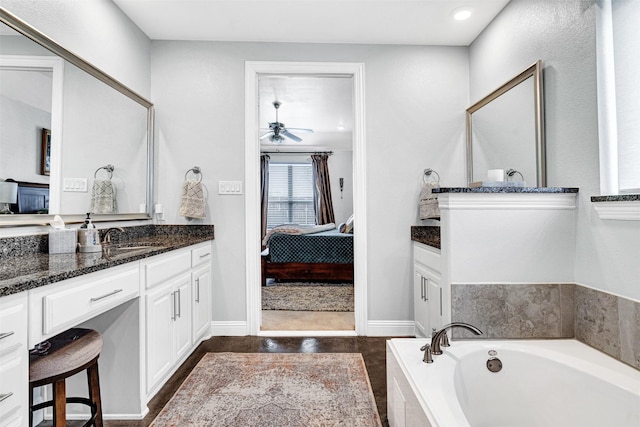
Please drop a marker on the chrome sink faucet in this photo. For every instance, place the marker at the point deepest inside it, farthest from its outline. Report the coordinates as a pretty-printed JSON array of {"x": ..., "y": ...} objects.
[
  {"x": 440, "y": 337},
  {"x": 107, "y": 234}
]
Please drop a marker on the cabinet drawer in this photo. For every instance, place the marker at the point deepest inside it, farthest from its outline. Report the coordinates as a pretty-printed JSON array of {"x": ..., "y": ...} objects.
[
  {"x": 201, "y": 255},
  {"x": 65, "y": 304},
  {"x": 13, "y": 326},
  {"x": 167, "y": 266}
]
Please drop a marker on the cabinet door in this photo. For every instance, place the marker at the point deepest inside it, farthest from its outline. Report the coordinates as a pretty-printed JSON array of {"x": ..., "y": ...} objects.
[
  {"x": 435, "y": 301},
  {"x": 420, "y": 301},
  {"x": 182, "y": 315},
  {"x": 159, "y": 340},
  {"x": 201, "y": 307}
]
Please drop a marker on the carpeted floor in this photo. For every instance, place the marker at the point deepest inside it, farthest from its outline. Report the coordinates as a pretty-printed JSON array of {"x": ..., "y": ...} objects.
[
  {"x": 297, "y": 296},
  {"x": 284, "y": 389}
]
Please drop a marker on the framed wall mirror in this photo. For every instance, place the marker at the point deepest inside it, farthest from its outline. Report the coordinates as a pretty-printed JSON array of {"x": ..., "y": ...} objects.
[
  {"x": 92, "y": 121},
  {"x": 505, "y": 130}
]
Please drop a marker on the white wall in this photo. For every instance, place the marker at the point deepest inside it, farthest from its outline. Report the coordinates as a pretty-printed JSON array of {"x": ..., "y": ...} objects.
[
  {"x": 341, "y": 166},
  {"x": 415, "y": 101},
  {"x": 97, "y": 31},
  {"x": 562, "y": 35}
]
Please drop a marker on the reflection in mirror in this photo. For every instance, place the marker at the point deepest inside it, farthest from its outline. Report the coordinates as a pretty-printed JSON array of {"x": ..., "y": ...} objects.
[
  {"x": 505, "y": 130},
  {"x": 93, "y": 119}
]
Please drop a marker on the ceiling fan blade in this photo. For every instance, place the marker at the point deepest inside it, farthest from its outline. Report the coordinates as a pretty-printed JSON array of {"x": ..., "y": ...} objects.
[
  {"x": 266, "y": 135},
  {"x": 290, "y": 135},
  {"x": 301, "y": 130}
]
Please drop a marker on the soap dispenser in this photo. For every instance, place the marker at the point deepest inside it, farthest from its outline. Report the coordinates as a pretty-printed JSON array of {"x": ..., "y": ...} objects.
[{"x": 88, "y": 237}]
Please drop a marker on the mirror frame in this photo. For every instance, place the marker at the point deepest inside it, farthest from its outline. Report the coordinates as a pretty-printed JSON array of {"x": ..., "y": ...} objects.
[
  {"x": 533, "y": 71},
  {"x": 32, "y": 33}
]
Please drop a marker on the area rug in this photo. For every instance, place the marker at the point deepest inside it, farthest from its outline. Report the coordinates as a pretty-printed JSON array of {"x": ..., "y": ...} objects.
[
  {"x": 274, "y": 389},
  {"x": 308, "y": 296}
]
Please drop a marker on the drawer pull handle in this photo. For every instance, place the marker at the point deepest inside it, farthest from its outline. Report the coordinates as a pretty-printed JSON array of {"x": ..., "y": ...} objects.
[
  {"x": 205, "y": 255},
  {"x": 94, "y": 299},
  {"x": 6, "y": 334},
  {"x": 5, "y": 396}
]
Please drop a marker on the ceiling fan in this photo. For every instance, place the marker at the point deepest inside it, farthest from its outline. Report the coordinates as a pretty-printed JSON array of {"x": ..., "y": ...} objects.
[{"x": 277, "y": 132}]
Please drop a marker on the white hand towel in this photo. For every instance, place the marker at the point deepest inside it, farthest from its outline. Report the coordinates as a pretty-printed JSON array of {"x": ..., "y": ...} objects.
[
  {"x": 103, "y": 197},
  {"x": 429, "y": 202},
  {"x": 192, "y": 200}
]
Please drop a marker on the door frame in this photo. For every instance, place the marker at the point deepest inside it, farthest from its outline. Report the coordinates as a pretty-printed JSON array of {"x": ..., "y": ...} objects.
[{"x": 253, "y": 69}]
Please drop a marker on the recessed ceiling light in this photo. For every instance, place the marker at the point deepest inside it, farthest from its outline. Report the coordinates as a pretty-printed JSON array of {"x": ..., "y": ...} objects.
[{"x": 461, "y": 14}]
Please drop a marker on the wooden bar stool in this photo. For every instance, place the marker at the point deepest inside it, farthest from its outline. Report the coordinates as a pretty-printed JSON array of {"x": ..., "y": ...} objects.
[{"x": 60, "y": 357}]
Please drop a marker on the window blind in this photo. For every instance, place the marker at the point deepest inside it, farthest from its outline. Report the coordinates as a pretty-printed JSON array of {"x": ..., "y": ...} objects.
[{"x": 290, "y": 194}]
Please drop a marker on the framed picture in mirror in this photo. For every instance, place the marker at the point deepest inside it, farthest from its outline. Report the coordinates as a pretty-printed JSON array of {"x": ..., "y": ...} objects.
[{"x": 45, "y": 153}]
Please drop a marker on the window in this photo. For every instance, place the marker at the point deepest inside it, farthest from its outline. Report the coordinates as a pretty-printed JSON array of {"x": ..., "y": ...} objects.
[
  {"x": 290, "y": 194},
  {"x": 618, "y": 94}
]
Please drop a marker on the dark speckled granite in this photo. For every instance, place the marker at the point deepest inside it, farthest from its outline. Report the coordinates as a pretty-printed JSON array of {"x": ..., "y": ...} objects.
[
  {"x": 427, "y": 234},
  {"x": 25, "y": 265},
  {"x": 619, "y": 198},
  {"x": 505, "y": 190}
]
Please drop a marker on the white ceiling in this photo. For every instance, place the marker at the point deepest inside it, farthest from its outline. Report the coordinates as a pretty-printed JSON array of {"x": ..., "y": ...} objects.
[{"x": 320, "y": 103}]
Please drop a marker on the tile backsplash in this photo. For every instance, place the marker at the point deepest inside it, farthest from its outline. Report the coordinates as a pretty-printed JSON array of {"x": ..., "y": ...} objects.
[{"x": 606, "y": 322}]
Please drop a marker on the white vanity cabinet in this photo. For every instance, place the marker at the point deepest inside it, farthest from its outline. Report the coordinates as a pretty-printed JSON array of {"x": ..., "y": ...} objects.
[
  {"x": 427, "y": 301},
  {"x": 14, "y": 361},
  {"x": 177, "y": 309}
]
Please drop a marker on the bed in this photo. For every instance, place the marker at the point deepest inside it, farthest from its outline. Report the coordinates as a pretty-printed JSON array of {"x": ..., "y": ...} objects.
[
  {"x": 33, "y": 198},
  {"x": 323, "y": 256}
]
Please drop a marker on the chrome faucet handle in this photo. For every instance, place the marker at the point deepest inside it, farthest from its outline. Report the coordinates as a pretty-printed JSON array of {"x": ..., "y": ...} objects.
[{"x": 427, "y": 353}]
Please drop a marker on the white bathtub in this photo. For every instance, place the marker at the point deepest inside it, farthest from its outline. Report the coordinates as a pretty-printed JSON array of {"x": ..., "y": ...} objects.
[{"x": 560, "y": 383}]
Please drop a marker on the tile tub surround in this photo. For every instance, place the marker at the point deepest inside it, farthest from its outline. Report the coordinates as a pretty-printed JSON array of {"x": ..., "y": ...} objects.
[
  {"x": 606, "y": 322},
  {"x": 426, "y": 234},
  {"x": 24, "y": 263}
]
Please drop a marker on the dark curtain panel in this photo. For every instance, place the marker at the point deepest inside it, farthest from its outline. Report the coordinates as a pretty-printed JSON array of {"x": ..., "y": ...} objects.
[
  {"x": 322, "y": 198},
  {"x": 264, "y": 193}
]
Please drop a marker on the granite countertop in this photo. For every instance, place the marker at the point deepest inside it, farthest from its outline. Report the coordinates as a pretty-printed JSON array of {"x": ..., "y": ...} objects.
[
  {"x": 442, "y": 190},
  {"x": 426, "y": 234},
  {"x": 25, "y": 264}
]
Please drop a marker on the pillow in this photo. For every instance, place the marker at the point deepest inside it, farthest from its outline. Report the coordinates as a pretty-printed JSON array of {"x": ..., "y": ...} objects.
[{"x": 348, "y": 226}]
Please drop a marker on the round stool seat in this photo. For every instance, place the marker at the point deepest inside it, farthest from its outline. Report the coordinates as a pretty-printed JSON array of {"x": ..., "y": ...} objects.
[
  {"x": 69, "y": 354},
  {"x": 60, "y": 357}
]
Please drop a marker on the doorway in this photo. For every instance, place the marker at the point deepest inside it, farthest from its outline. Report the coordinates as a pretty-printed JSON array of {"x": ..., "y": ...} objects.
[{"x": 253, "y": 72}]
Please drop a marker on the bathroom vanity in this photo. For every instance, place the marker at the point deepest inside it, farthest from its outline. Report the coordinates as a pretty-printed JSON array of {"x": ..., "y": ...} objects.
[{"x": 149, "y": 297}]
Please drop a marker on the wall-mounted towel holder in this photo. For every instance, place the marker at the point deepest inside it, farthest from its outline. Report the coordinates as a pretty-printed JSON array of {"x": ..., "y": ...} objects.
[
  {"x": 196, "y": 171},
  {"x": 108, "y": 168},
  {"x": 428, "y": 176}
]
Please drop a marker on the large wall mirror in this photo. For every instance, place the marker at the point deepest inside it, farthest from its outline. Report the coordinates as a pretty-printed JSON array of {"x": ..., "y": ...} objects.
[
  {"x": 505, "y": 130},
  {"x": 63, "y": 123}
]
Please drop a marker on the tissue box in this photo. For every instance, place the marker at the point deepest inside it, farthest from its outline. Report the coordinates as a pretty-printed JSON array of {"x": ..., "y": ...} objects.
[{"x": 62, "y": 241}]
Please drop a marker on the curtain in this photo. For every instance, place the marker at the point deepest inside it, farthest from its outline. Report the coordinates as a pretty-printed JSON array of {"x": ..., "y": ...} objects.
[
  {"x": 264, "y": 193},
  {"x": 322, "y": 197}
]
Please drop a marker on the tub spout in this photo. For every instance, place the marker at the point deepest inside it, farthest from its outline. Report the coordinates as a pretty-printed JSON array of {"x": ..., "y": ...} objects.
[{"x": 436, "y": 340}]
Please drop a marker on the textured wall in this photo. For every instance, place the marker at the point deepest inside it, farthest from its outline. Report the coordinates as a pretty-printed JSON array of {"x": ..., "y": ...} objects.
[{"x": 562, "y": 35}]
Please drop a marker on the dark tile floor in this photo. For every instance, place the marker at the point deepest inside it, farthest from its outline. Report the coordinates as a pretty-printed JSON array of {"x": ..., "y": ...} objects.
[{"x": 372, "y": 348}]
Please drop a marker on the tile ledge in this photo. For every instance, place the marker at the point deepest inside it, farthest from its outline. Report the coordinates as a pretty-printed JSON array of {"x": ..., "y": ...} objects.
[{"x": 624, "y": 207}]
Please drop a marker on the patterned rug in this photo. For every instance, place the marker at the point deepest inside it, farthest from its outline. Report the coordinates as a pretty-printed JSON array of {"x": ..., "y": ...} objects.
[
  {"x": 308, "y": 296},
  {"x": 273, "y": 389}
]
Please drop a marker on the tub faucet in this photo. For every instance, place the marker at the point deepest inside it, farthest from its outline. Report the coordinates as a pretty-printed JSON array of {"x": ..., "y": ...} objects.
[
  {"x": 440, "y": 336},
  {"x": 107, "y": 234}
]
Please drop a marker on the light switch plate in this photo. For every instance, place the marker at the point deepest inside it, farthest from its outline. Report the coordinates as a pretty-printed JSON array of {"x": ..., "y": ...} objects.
[
  {"x": 78, "y": 185},
  {"x": 229, "y": 187}
]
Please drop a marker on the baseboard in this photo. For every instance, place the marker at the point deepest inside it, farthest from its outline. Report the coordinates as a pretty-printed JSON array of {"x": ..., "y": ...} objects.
[
  {"x": 237, "y": 328},
  {"x": 391, "y": 328}
]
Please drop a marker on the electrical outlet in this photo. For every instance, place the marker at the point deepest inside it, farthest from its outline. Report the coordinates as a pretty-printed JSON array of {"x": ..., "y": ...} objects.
[{"x": 229, "y": 187}]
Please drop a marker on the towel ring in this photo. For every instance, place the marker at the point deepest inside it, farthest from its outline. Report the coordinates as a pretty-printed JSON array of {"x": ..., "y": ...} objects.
[
  {"x": 511, "y": 172},
  {"x": 428, "y": 172},
  {"x": 196, "y": 171},
  {"x": 108, "y": 168}
]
